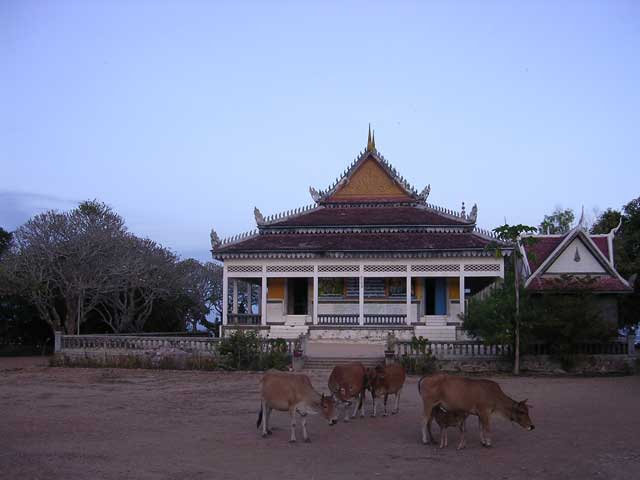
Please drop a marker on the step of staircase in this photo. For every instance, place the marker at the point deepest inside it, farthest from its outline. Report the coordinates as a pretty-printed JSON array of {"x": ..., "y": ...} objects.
[
  {"x": 327, "y": 363},
  {"x": 287, "y": 332},
  {"x": 446, "y": 333}
]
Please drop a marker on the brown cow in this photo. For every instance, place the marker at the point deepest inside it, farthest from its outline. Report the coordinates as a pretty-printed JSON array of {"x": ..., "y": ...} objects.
[
  {"x": 474, "y": 396},
  {"x": 348, "y": 382},
  {"x": 446, "y": 419},
  {"x": 385, "y": 380},
  {"x": 292, "y": 392}
]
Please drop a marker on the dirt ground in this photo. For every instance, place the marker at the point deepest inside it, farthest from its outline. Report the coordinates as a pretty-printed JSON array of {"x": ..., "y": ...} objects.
[{"x": 59, "y": 423}]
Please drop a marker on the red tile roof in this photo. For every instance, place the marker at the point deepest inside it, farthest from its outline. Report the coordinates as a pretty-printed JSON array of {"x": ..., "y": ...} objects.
[
  {"x": 601, "y": 284},
  {"x": 357, "y": 242},
  {"x": 358, "y": 216},
  {"x": 538, "y": 251}
]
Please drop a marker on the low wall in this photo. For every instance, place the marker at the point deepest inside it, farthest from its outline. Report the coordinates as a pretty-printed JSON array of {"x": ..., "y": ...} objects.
[
  {"x": 372, "y": 334},
  {"x": 542, "y": 365}
]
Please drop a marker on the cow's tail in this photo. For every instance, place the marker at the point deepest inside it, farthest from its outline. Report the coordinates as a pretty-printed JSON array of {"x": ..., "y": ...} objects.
[{"x": 259, "y": 417}]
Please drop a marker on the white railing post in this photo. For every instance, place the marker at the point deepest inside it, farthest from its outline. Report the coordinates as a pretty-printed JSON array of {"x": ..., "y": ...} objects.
[
  {"x": 361, "y": 297},
  {"x": 315, "y": 294},
  {"x": 225, "y": 295}
]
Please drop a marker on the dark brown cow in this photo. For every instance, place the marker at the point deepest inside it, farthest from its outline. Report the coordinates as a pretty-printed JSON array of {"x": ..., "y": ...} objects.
[
  {"x": 446, "y": 419},
  {"x": 385, "y": 380},
  {"x": 473, "y": 396},
  {"x": 293, "y": 393},
  {"x": 348, "y": 382}
]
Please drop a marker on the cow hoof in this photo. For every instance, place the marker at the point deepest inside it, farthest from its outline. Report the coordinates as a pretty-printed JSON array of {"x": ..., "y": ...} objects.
[
  {"x": 269, "y": 432},
  {"x": 307, "y": 440},
  {"x": 264, "y": 435},
  {"x": 292, "y": 441},
  {"x": 384, "y": 414},
  {"x": 486, "y": 445},
  {"x": 353, "y": 416}
]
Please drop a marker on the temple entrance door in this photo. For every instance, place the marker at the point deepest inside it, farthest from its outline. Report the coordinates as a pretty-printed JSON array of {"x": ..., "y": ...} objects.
[{"x": 300, "y": 296}]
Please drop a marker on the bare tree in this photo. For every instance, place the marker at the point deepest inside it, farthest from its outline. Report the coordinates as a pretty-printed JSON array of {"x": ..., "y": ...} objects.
[{"x": 143, "y": 273}]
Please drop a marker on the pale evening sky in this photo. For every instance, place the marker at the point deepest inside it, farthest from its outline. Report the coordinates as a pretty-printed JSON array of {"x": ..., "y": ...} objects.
[{"x": 184, "y": 115}]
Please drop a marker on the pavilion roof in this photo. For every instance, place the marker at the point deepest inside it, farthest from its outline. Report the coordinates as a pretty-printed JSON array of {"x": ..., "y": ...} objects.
[{"x": 332, "y": 244}]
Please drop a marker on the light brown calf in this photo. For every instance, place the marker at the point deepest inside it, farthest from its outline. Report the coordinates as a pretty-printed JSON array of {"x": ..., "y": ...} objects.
[
  {"x": 348, "y": 382},
  {"x": 292, "y": 392},
  {"x": 473, "y": 396},
  {"x": 446, "y": 419},
  {"x": 385, "y": 380}
]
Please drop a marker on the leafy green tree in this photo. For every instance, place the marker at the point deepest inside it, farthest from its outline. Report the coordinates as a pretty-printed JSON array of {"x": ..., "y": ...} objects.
[
  {"x": 558, "y": 222},
  {"x": 626, "y": 255},
  {"x": 511, "y": 235}
]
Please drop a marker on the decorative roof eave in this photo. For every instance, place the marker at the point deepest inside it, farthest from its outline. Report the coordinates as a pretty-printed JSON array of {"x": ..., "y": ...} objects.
[
  {"x": 578, "y": 231},
  {"x": 262, "y": 220},
  {"x": 355, "y": 254},
  {"x": 321, "y": 196},
  {"x": 313, "y": 229}
]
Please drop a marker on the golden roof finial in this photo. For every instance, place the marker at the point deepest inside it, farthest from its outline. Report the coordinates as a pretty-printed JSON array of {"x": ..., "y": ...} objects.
[{"x": 371, "y": 141}]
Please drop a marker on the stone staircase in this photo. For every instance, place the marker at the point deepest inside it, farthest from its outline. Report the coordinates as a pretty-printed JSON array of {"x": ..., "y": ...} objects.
[
  {"x": 287, "y": 332},
  {"x": 327, "y": 363}
]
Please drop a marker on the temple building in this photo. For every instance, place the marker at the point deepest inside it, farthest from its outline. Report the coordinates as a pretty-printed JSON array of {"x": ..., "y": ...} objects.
[
  {"x": 368, "y": 257},
  {"x": 576, "y": 261}
]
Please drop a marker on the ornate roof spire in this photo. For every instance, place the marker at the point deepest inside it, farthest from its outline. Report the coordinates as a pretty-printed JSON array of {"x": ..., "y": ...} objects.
[{"x": 371, "y": 142}]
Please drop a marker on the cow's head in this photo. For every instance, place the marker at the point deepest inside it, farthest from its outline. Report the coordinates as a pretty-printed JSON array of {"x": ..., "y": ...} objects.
[
  {"x": 328, "y": 409},
  {"x": 520, "y": 415}
]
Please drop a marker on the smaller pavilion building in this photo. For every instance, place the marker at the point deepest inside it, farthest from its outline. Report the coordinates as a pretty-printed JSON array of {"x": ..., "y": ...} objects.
[
  {"x": 370, "y": 256},
  {"x": 575, "y": 261}
]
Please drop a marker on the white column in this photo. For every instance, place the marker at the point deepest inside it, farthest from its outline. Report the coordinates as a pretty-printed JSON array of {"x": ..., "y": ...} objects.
[
  {"x": 234, "y": 305},
  {"x": 248, "y": 297},
  {"x": 315, "y": 294},
  {"x": 361, "y": 298},
  {"x": 461, "y": 292},
  {"x": 408, "y": 295},
  {"x": 263, "y": 302},
  {"x": 225, "y": 295}
]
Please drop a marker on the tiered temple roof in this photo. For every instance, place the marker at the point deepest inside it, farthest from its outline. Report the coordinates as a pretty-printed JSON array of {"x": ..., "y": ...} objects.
[{"x": 370, "y": 210}]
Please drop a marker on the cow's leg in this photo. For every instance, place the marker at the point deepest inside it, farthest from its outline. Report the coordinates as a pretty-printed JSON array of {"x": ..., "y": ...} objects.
[
  {"x": 346, "y": 411},
  {"x": 362, "y": 400},
  {"x": 397, "y": 407},
  {"x": 463, "y": 440},
  {"x": 373, "y": 397},
  {"x": 443, "y": 437},
  {"x": 481, "y": 431},
  {"x": 485, "y": 428},
  {"x": 386, "y": 397},
  {"x": 358, "y": 404},
  {"x": 265, "y": 418},
  {"x": 292, "y": 419},
  {"x": 427, "y": 418},
  {"x": 303, "y": 421}
]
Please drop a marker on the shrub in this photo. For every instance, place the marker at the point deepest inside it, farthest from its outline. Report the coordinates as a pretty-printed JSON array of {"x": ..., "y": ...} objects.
[
  {"x": 423, "y": 362},
  {"x": 243, "y": 351}
]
